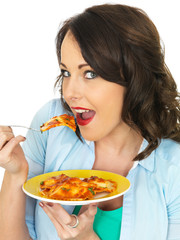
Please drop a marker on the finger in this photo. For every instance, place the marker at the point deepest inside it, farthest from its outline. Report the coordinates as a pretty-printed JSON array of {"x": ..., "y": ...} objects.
[
  {"x": 5, "y": 129},
  {"x": 63, "y": 216},
  {"x": 4, "y": 138},
  {"x": 83, "y": 209},
  {"x": 48, "y": 210},
  {"x": 64, "y": 231},
  {"x": 92, "y": 210},
  {"x": 88, "y": 214},
  {"x": 74, "y": 221},
  {"x": 10, "y": 145},
  {"x": 59, "y": 216},
  {"x": 59, "y": 212}
]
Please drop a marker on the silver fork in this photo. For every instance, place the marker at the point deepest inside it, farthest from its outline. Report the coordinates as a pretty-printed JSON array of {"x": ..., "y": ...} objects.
[{"x": 33, "y": 129}]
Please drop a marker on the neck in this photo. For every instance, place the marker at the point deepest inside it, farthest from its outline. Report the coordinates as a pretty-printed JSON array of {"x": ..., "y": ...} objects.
[{"x": 123, "y": 140}]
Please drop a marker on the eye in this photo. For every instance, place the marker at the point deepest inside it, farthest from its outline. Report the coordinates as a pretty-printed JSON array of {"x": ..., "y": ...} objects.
[
  {"x": 90, "y": 75},
  {"x": 65, "y": 73}
]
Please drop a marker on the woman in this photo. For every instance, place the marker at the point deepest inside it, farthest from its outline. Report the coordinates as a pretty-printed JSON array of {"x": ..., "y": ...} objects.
[{"x": 115, "y": 82}]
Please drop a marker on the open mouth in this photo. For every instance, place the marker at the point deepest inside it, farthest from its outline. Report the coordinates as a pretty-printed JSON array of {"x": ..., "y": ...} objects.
[{"x": 84, "y": 116}]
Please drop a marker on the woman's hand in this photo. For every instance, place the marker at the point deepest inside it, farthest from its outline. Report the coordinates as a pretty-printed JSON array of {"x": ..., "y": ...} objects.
[
  {"x": 11, "y": 154},
  {"x": 64, "y": 222}
]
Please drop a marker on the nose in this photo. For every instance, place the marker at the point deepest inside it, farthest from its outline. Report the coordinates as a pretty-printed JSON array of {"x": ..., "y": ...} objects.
[{"x": 72, "y": 88}]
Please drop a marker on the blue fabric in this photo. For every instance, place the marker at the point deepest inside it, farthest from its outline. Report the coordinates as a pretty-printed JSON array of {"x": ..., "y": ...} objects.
[{"x": 151, "y": 208}]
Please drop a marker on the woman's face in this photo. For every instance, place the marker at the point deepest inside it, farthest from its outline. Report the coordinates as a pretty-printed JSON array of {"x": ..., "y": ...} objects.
[{"x": 96, "y": 103}]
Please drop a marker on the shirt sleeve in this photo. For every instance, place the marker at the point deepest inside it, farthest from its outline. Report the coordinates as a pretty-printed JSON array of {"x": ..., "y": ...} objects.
[
  {"x": 173, "y": 204},
  {"x": 35, "y": 151}
]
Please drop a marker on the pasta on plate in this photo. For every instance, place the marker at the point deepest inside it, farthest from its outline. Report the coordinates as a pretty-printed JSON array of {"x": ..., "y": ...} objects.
[{"x": 67, "y": 188}]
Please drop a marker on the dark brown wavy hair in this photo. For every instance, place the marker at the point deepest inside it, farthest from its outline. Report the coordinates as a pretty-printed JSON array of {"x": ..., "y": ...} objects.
[{"x": 122, "y": 45}]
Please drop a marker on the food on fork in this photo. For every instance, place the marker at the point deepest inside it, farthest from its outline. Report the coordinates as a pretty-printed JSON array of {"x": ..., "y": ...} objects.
[
  {"x": 67, "y": 188},
  {"x": 62, "y": 120}
]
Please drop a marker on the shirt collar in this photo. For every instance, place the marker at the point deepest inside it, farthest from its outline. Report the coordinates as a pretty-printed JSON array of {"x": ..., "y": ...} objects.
[
  {"x": 149, "y": 162},
  {"x": 87, "y": 142}
]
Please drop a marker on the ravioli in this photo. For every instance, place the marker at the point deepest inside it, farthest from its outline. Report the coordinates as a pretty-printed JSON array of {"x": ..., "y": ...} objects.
[
  {"x": 62, "y": 120},
  {"x": 67, "y": 188}
]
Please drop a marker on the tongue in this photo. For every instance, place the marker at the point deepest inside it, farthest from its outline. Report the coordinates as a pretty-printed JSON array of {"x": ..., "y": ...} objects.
[{"x": 87, "y": 115}]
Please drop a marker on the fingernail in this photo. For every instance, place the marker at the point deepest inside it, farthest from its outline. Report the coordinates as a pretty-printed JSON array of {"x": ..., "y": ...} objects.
[
  {"x": 41, "y": 204},
  {"x": 50, "y": 204},
  {"x": 94, "y": 205}
]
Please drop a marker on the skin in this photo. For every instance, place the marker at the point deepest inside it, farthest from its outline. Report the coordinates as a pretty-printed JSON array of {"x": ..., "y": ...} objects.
[
  {"x": 12, "y": 224},
  {"x": 12, "y": 213},
  {"x": 85, "y": 89},
  {"x": 116, "y": 144},
  {"x": 82, "y": 87}
]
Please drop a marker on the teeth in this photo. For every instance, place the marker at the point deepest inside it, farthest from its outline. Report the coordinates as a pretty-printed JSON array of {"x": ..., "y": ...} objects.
[{"x": 81, "y": 111}]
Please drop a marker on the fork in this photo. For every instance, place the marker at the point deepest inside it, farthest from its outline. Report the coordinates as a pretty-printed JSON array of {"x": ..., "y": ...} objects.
[{"x": 33, "y": 129}]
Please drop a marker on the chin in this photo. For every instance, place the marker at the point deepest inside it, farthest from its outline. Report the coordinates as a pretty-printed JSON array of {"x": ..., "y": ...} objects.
[{"x": 90, "y": 137}]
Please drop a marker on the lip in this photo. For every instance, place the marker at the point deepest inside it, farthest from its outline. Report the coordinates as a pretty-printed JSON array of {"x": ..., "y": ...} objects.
[
  {"x": 80, "y": 108},
  {"x": 83, "y": 122},
  {"x": 80, "y": 121}
]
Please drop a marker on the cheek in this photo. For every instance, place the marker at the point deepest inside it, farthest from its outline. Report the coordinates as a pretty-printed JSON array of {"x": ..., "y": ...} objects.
[
  {"x": 63, "y": 91},
  {"x": 112, "y": 107}
]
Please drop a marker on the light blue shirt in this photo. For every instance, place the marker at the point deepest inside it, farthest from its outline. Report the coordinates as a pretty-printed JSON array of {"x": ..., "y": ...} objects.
[{"x": 151, "y": 208}]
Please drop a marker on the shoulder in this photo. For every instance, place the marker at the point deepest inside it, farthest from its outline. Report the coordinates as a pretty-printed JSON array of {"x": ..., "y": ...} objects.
[
  {"x": 169, "y": 151},
  {"x": 167, "y": 169},
  {"x": 51, "y": 108},
  {"x": 167, "y": 161},
  {"x": 55, "y": 107},
  {"x": 35, "y": 146},
  {"x": 47, "y": 111}
]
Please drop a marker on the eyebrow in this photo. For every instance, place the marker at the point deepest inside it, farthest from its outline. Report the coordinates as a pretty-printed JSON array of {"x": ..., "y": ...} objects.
[{"x": 79, "y": 66}]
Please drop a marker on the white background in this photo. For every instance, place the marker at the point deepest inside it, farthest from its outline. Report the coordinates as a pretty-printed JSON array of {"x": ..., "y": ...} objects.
[{"x": 28, "y": 63}]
